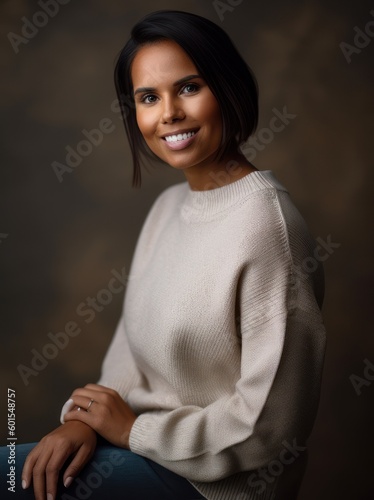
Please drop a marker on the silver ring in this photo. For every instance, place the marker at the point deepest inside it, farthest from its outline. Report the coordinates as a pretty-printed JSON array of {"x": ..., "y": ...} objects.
[{"x": 89, "y": 404}]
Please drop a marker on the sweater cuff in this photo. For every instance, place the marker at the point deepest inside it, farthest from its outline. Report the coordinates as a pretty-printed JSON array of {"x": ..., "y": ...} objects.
[{"x": 141, "y": 428}]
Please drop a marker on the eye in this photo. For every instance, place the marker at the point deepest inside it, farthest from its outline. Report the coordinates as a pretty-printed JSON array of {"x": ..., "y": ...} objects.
[
  {"x": 146, "y": 97},
  {"x": 194, "y": 87}
]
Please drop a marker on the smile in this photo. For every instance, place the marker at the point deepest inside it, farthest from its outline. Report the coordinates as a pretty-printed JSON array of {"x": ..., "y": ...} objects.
[
  {"x": 180, "y": 141},
  {"x": 179, "y": 137}
]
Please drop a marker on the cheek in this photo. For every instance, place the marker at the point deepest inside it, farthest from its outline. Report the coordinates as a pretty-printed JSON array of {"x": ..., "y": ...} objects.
[
  {"x": 215, "y": 111},
  {"x": 145, "y": 123},
  {"x": 210, "y": 112}
]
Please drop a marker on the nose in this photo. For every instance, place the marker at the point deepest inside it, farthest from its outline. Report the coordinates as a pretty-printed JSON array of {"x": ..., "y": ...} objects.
[{"x": 171, "y": 110}]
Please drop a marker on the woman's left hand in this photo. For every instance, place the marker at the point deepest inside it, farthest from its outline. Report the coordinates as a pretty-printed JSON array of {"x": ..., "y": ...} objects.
[{"x": 105, "y": 411}]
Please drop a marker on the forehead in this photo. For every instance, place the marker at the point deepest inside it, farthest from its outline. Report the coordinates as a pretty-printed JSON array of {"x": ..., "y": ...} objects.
[{"x": 159, "y": 61}]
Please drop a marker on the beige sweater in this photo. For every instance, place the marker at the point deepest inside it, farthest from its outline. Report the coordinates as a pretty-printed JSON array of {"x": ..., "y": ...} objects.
[{"x": 220, "y": 347}]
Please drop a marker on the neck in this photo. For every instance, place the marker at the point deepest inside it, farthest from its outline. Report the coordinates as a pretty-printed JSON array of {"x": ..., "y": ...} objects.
[{"x": 214, "y": 175}]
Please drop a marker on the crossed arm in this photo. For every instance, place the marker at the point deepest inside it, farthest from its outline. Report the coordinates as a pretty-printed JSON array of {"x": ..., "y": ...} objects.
[{"x": 108, "y": 415}]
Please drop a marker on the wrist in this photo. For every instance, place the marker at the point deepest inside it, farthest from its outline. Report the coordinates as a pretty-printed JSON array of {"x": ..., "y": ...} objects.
[
  {"x": 78, "y": 423},
  {"x": 127, "y": 438}
]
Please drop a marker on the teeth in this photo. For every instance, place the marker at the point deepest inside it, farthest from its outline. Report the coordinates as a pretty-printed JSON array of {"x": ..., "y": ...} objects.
[{"x": 179, "y": 137}]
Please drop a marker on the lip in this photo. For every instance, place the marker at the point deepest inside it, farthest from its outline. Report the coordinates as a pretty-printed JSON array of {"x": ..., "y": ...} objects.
[
  {"x": 180, "y": 144},
  {"x": 180, "y": 131}
]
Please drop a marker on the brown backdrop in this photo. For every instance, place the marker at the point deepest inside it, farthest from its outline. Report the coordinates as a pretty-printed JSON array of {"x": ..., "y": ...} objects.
[{"x": 61, "y": 242}]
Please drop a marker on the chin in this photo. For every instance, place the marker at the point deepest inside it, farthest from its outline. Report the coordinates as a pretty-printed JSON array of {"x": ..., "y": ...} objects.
[
  {"x": 180, "y": 165},
  {"x": 176, "y": 163}
]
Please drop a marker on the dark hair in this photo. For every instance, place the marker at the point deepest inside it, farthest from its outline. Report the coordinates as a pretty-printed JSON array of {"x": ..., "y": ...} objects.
[{"x": 217, "y": 60}]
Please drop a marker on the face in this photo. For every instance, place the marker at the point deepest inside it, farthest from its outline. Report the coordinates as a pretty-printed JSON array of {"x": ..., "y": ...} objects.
[{"x": 171, "y": 99}]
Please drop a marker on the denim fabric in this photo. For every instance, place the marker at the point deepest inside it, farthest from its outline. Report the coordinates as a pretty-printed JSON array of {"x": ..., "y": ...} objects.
[{"x": 112, "y": 473}]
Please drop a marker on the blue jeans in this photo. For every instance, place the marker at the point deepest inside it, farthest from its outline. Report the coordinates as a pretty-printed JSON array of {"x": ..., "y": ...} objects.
[{"x": 112, "y": 473}]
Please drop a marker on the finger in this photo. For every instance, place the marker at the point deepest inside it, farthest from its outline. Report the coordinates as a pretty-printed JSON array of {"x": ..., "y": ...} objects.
[
  {"x": 53, "y": 468},
  {"x": 100, "y": 388},
  {"x": 89, "y": 418},
  {"x": 94, "y": 391},
  {"x": 83, "y": 455},
  {"x": 87, "y": 393},
  {"x": 67, "y": 407},
  {"x": 28, "y": 467},
  {"x": 85, "y": 403},
  {"x": 38, "y": 475},
  {"x": 81, "y": 416}
]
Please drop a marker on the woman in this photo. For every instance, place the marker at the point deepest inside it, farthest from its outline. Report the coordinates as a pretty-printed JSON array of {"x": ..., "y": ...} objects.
[{"x": 210, "y": 386}]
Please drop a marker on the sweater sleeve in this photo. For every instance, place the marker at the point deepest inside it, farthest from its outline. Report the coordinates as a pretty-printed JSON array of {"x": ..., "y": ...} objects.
[
  {"x": 119, "y": 355},
  {"x": 275, "y": 400}
]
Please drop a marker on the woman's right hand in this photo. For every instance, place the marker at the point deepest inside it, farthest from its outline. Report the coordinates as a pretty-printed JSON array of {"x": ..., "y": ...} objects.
[{"x": 44, "y": 462}]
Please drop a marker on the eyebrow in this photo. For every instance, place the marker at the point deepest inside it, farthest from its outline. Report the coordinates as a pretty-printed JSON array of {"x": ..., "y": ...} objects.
[{"x": 178, "y": 82}]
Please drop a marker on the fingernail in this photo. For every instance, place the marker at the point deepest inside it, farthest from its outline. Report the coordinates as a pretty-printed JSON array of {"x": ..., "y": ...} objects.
[
  {"x": 68, "y": 482},
  {"x": 67, "y": 407},
  {"x": 24, "y": 484},
  {"x": 49, "y": 496}
]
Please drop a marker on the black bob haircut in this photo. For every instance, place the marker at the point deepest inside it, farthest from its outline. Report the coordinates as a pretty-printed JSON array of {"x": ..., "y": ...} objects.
[{"x": 217, "y": 60}]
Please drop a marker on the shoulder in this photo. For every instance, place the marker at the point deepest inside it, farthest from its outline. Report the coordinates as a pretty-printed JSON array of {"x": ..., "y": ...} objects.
[
  {"x": 274, "y": 222},
  {"x": 267, "y": 208},
  {"x": 283, "y": 236},
  {"x": 279, "y": 242}
]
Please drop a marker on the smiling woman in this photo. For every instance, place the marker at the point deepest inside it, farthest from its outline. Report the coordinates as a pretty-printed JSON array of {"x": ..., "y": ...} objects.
[
  {"x": 177, "y": 111},
  {"x": 177, "y": 87},
  {"x": 210, "y": 386}
]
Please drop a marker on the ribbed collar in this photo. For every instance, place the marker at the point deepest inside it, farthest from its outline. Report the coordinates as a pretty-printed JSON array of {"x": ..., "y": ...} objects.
[{"x": 206, "y": 205}]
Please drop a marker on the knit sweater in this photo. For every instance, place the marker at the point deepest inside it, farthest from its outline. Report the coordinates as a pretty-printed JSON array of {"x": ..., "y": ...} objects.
[{"x": 220, "y": 347}]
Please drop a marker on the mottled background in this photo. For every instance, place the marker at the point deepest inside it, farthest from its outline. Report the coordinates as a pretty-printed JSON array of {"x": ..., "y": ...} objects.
[{"x": 60, "y": 241}]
